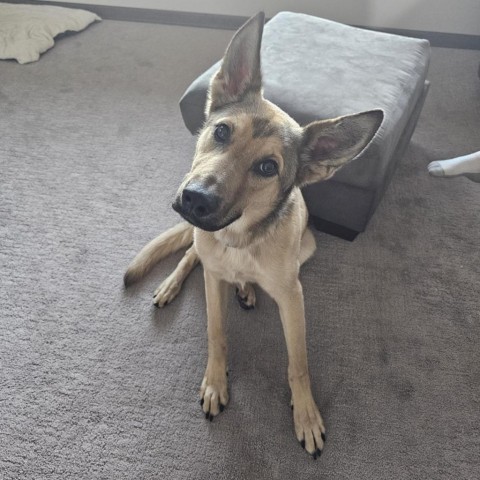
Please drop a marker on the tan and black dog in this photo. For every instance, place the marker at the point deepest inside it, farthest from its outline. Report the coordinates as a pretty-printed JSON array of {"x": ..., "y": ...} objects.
[{"x": 246, "y": 217}]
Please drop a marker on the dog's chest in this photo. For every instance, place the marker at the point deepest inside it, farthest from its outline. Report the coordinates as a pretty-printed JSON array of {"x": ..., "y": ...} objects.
[{"x": 234, "y": 265}]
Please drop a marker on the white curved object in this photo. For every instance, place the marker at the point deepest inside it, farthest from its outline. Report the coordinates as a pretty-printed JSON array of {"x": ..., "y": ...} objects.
[
  {"x": 26, "y": 31},
  {"x": 467, "y": 165}
]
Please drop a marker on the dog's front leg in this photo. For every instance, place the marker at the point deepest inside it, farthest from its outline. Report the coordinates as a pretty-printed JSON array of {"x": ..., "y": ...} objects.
[
  {"x": 213, "y": 392},
  {"x": 309, "y": 427}
]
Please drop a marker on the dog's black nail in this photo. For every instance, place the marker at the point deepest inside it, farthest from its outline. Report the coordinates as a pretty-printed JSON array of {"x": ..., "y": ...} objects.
[
  {"x": 314, "y": 455},
  {"x": 227, "y": 373},
  {"x": 324, "y": 438},
  {"x": 202, "y": 401},
  {"x": 302, "y": 443},
  {"x": 319, "y": 453},
  {"x": 156, "y": 304},
  {"x": 211, "y": 417},
  {"x": 222, "y": 407},
  {"x": 291, "y": 406},
  {"x": 244, "y": 305}
]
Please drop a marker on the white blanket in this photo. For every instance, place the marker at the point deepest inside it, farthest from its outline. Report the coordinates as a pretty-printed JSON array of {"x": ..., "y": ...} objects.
[{"x": 26, "y": 31}]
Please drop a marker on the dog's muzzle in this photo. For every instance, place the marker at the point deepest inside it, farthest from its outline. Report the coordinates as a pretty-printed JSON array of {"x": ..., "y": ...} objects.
[{"x": 200, "y": 207}]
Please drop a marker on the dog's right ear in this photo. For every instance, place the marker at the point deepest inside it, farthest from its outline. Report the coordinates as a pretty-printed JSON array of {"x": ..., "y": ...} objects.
[{"x": 240, "y": 71}]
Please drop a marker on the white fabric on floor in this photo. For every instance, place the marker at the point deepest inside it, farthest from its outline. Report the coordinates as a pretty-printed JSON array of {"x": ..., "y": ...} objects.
[{"x": 26, "y": 31}]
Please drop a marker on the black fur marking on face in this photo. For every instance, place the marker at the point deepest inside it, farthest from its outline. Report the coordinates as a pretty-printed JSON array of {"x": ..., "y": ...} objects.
[
  {"x": 282, "y": 208},
  {"x": 262, "y": 127},
  {"x": 210, "y": 181},
  {"x": 209, "y": 223}
]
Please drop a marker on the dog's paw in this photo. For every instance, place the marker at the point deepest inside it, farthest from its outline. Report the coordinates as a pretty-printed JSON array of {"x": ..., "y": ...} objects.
[
  {"x": 166, "y": 292},
  {"x": 309, "y": 427},
  {"x": 213, "y": 394},
  {"x": 246, "y": 296}
]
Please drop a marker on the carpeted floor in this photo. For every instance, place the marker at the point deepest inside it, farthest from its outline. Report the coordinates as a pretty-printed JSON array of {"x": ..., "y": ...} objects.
[{"x": 95, "y": 383}]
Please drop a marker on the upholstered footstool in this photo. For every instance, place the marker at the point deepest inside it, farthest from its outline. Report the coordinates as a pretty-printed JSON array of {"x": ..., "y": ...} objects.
[{"x": 316, "y": 69}]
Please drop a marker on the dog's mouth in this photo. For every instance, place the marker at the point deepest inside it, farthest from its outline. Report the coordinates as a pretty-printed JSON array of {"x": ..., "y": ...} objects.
[{"x": 207, "y": 222}]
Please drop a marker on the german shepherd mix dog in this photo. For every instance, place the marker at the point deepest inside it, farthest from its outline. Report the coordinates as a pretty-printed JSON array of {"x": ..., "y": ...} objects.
[{"x": 246, "y": 220}]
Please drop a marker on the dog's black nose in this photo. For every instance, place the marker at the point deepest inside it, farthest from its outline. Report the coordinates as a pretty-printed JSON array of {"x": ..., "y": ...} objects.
[{"x": 198, "y": 202}]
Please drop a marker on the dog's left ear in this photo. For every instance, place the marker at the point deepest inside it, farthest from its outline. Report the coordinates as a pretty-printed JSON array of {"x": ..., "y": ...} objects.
[
  {"x": 330, "y": 144},
  {"x": 240, "y": 71}
]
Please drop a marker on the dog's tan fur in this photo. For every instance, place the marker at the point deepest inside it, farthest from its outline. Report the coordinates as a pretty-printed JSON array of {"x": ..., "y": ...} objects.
[{"x": 257, "y": 234}]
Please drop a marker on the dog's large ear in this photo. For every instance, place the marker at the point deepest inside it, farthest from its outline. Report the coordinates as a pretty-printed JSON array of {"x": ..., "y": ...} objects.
[
  {"x": 330, "y": 144},
  {"x": 240, "y": 71}
]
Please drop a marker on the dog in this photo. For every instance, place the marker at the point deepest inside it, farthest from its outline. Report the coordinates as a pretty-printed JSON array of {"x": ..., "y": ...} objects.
[{"x": 246, "y": 220}]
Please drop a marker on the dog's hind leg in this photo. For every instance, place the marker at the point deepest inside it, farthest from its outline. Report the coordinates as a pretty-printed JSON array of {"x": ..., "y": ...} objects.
[
  {"x": 307, "y": 246},
  {"x": 170, "y": 287},
  {"x": 177, "y": 237},
  {"x": 246, "y": 296}
]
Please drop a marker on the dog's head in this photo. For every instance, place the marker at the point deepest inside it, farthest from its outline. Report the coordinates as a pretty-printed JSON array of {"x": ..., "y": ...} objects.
[{"x": 250, "y": 154}]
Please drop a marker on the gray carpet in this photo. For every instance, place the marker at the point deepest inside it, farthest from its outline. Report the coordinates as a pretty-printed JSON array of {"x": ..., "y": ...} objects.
[{"x": 95, "y": 383}]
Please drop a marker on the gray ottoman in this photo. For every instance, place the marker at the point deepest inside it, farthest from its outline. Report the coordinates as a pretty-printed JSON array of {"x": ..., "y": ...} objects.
[{"x": 316, "y": 69}]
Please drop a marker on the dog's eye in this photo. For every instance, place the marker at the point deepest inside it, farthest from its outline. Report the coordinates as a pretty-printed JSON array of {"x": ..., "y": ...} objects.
[
  {"x": 267, "y": 168},
  {"x": 222, "y": 133}
]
